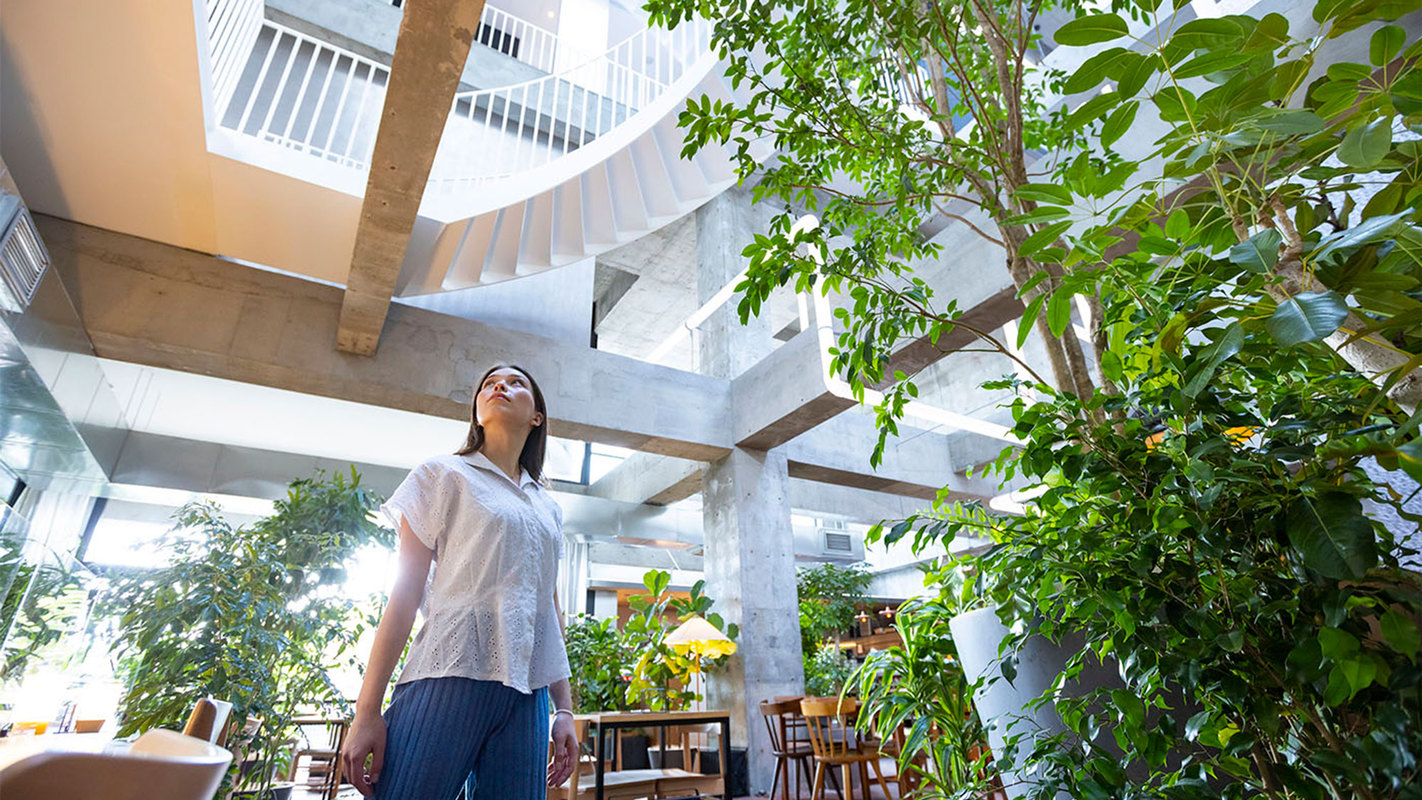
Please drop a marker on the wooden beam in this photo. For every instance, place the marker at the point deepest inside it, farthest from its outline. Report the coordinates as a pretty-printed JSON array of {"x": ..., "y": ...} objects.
[{"x": 430, "y": 52}]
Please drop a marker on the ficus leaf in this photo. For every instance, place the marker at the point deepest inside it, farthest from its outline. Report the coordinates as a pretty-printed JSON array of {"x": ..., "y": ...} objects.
[
  {"x": 1306, "y": 317},
  {"x": 1401, "y": 632},
  {"x": 1259, "y": 253},
  {"x": 1332, "y": 535}
]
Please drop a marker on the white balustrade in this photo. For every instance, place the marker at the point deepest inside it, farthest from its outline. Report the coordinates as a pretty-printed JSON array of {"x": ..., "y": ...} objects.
[{"x": 281, "y": 86}]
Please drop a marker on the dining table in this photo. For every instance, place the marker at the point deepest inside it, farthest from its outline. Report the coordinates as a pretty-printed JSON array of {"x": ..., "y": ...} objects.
[
  {"x": 602, "y": 724},
  {"x": 14, "y": 749}
]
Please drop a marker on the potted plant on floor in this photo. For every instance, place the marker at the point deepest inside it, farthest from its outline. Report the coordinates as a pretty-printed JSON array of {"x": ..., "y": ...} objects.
[
  {"x": 252, "y": 615},
  {"x": 1223, "y": 213}
]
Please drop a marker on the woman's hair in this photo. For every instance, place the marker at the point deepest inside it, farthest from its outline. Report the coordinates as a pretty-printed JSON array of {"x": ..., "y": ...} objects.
[{"x": 534, "y": 448}]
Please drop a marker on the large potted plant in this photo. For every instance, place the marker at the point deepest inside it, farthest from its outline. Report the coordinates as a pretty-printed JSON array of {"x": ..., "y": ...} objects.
[
  {"x": 256, "y": 616},
  {"x": 1236, "y": 207}
]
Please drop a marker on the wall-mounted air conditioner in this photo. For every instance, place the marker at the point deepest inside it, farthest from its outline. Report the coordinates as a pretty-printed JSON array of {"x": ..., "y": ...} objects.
[{"x": 23, "y": 258}]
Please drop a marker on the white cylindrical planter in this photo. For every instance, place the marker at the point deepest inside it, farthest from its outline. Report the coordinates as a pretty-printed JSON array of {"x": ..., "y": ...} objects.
[{"x": 1004, "y": 706}]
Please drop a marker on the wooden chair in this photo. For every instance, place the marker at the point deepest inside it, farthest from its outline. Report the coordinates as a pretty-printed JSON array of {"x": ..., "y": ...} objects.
[
  {"x": 781, "y": 720},
  {"x": 688, "y": 780},
  {"x": 323, "y": 760},
  {"x": 160, "y": 763},
  {"x": 632, "y": 784},
  {"x": 208, "y": 720},
  {"x": 832, "y": 737}
]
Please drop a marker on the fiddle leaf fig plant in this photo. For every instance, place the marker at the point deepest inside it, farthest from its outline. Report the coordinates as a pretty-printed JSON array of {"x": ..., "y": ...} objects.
[{"x": 661, "y": 678}]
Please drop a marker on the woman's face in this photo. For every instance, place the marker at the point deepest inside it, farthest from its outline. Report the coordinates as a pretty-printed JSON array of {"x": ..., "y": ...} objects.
[{"x": 506, "y": 399}]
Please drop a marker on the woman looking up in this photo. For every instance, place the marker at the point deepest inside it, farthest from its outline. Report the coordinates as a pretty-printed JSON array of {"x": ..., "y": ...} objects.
[{"x": 472, "y": 703}]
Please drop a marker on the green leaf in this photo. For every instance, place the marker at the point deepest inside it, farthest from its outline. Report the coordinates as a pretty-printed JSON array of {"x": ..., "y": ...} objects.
[
  {"x": 1227, "y": 345},
  {"x": 1401, "y": 632},
  {"x": 1386, "y": 43},
  {"x": 1292, "y": 122},
  {"x": 1029, "y": 319},
  {"x": 1230, "y": 641},
  {"x": 1365, "y": 145},
  {"x": 1119, "y": 122},
  {"x": 1332, "y": 535},
  {"x": 1032, "y": 244},
  {"x": 1365, "y": 232},
  {"x": 1260, "y": 253},
  {"x": 1044, "y": 193},
  {"x": 1208, "y": 63},
  {"x": 1093, "y": 70},
  {"x": 1059, "y": 312},
  {"x": 1306, "y": 317},
  {"x": 1092, "y": 109},
  {"x": 1205, "y": 32},
  {"x": 1410, "y": 459},
  {"x": 1091, "y": 29}
]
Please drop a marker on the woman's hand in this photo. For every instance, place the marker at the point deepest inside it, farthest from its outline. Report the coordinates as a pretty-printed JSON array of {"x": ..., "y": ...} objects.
[
  {"x": 565, "y": 751},
  {"x": 366, "y": 740}
]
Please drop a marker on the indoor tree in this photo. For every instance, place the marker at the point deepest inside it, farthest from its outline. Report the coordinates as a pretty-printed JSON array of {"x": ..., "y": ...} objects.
[
  {"x": 251, "y": 615},
  {"x": 1252, "y": 280}
]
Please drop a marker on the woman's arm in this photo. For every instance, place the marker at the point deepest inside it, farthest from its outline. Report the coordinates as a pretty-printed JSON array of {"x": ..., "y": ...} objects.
[
  {"x": 565, "y": 739},
  {"x": 367, "y": 736}
]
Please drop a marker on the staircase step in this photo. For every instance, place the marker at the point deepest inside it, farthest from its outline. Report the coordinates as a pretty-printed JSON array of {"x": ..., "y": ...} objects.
[
  {"x": 657, "y": 190},
  {"x": 502, "y": 260},
  {"x": 687, "y": 180},
  {"x": 599, "y": 223},
  {"x": 628, "y": 207},
  {"x": 567, "y": 237},
  {"x": 535, "y": 251}
]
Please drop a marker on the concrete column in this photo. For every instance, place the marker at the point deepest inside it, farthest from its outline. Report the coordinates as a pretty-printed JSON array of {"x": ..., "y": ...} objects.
[
  {"x": 724, "y": 347},
  {"x": 750, "y": 574}
]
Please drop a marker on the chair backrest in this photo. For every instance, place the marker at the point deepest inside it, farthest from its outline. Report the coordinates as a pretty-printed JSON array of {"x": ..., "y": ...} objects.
[
  {"x": 208, "y": 720},
  {"x": 830, "y": 723},
  {"x": 694, "y": 740},
  {"x": 162, "y": 764},
  {"x": 779, "y": 716}
]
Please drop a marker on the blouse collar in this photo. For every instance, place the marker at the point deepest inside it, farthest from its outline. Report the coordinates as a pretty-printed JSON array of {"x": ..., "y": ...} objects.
[{"x": 478, "y": 459}]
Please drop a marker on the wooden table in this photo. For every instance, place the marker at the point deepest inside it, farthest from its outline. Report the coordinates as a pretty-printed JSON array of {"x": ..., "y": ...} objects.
[
  {"x": 613, "y": 721},
  {"x": 14, "y": 749},
  {"x": 332, "y": 782}
]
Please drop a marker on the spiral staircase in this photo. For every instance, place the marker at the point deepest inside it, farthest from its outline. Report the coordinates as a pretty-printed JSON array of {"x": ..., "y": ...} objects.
[{"x": 528, "y": 177}]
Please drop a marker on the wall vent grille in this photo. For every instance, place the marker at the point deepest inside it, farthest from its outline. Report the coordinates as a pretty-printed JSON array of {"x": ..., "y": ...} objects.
[
  {"x": 837, "y": 541},
  {"x": 23, "y": 258}
]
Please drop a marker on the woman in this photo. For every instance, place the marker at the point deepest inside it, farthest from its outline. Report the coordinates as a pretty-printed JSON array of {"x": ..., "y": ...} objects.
[{"x": 472, "y": 703}]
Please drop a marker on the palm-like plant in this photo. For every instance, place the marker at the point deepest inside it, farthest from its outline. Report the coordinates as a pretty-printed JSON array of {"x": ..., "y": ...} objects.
[{"x": 921, "y": 685}]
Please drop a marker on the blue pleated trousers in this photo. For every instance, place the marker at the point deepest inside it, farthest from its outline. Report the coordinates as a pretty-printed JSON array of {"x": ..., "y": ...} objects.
[{"x": 443, "y": 734}]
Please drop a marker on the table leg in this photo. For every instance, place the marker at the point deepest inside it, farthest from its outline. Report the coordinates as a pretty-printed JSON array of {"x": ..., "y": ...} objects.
[
  {"x": 725, "y": 748},
  {"x": 598, "y": 785}
]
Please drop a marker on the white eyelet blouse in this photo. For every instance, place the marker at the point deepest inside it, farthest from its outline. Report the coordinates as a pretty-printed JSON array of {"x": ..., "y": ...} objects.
[{"x": 488, "y": 609}]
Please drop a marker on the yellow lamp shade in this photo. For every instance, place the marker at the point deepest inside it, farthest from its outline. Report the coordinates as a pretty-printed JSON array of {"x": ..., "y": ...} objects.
[{"x": 699, "y": 637}]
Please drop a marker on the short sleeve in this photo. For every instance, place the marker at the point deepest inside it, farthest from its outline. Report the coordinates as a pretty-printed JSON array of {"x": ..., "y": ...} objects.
[{"x": 419, "y": 500}]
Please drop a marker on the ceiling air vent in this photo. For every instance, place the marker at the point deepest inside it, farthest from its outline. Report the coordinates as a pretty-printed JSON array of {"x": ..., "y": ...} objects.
[
  {"x": 23, "y": 258},
  {"x": 836, "y": 541}
]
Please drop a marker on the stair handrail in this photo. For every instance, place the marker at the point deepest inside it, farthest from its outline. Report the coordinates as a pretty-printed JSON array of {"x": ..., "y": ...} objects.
[{"x": 568, "y": 109}]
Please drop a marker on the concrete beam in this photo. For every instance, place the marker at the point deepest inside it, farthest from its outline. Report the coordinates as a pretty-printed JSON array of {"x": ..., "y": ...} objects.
[
  {"x": 863, "y": 506},
  {"x": 649, "y": 478},
  {"x": 784, "y": 394},
  {"x": 154, "y": 304},
  {"x": 429, "y": 59},
  {"x": 162, "y": 306},
  {"x": 916, "y": 464}
]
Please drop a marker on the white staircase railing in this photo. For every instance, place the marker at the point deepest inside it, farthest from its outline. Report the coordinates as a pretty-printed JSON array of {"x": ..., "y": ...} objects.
[
  {"x": 281, "y": 86},
  {"x": 519, "y": 127},
  {"x": 520, "y": 39},
  {"x": 309, "y": 96}
]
